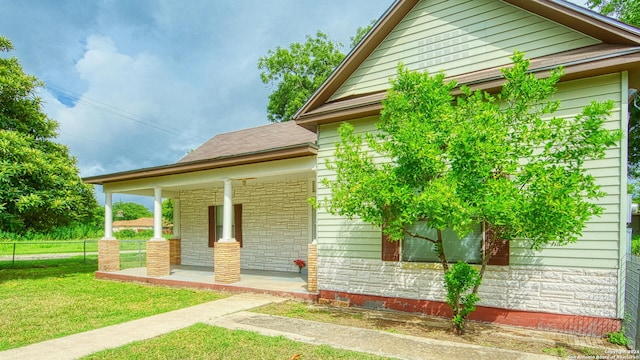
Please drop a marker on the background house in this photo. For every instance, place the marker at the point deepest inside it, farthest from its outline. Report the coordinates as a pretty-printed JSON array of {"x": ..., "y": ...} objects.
[{"x": 136, "y": 225}]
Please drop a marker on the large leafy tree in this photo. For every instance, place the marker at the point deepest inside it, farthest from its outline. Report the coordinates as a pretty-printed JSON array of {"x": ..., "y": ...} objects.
[
  {"x": 39, "y": 183},
  {"x": 297, "y": 71},
  {"x": 452, "y": 162}
]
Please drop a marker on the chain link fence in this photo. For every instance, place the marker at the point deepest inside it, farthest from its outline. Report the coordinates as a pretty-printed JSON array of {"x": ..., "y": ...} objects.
[{"x": 132, "y": 252}]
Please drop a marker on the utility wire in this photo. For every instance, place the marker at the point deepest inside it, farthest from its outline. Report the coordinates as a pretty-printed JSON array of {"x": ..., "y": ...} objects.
[
  {"x": 102, "y": 143},
  {"x": 99, "y": 105}
]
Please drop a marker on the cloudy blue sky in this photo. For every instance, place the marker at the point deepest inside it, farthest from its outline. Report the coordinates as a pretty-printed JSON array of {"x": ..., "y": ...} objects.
[{"x": 137, "y": 83}]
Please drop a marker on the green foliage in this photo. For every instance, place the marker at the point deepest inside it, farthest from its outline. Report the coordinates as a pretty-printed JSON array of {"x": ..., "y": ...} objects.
[
  {"x": 627, "y": 11},
  {"x": 125, "y": 234},
  {"x": 454, "y": 162},
  {"x": 360, "y": 33},
  {"x": 299, "y": 70},
  {"x": 130, "y": 211},
  {"x": 167, "y": 211},
  {"x": 459, "y": 281},
  {"x": 635, "y": 245},
  {"x": 617, "y": 338},
  {"x": 76, "y": 231},
  {"x": 40, "y": 188},
  {"x": 558, "y": 351}
]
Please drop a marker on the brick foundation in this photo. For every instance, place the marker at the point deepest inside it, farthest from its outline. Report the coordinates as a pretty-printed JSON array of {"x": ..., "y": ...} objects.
[
  {"x": 158, "y": 258},
  {"x": 226, "y": 260},
  {"x": 108, "y": 255},
  {"x": 573, "y": 324},
  {"x": 174, "y": 252},
  {"x": 312, "y": 268}
]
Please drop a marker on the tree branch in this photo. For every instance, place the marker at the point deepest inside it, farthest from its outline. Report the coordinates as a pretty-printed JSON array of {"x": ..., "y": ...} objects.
[{"x": 419, "y": 236}]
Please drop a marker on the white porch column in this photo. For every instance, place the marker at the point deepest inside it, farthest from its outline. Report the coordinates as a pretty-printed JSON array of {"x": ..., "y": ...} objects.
[
  {"x": 176, "y": 218},
  {"x": 158, "y": 249},
  {"x": 227, "y": 213},
  {"x": 157, "y": 213},
  {"x": 108, "y": 215},
  {"x": 108, "y": 246},
  {"x": 226, "y": 254}
]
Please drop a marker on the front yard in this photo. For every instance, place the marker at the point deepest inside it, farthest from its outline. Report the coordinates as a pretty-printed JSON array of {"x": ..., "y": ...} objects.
[{"x": 47, "y": 299}]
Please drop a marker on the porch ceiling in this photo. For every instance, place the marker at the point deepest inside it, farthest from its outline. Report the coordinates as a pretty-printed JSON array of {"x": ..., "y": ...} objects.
[{"x": 265, "y": 172}]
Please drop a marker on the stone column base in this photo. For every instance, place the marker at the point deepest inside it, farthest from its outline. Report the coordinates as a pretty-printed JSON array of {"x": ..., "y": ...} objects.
[
  {"x": 175, "y": 252},
  {"x": 158, "y": 258},
  {"x": 226, "y": 262},
  {"x": 108, "y": 255},
  {"x": 312, "y": 268}
]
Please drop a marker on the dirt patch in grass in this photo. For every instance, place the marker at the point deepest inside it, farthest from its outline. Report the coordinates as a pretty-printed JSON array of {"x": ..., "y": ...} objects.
[{"x": 483, "y": 334}]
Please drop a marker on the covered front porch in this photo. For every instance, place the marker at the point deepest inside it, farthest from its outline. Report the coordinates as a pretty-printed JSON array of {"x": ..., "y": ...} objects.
[
  {"x": 240, "y": 203},
  {"x": 231, "y": 220},
  {"x": 278, "y": 283}
]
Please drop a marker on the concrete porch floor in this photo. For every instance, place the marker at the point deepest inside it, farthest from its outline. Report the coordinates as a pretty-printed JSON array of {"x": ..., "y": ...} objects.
[{"x": 279, "y": 283}]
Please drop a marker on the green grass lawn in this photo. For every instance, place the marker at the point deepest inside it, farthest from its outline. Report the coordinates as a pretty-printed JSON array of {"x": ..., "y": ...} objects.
[
  {"x": 46, "y": 299},
  {"x": 208, "y": 342}
]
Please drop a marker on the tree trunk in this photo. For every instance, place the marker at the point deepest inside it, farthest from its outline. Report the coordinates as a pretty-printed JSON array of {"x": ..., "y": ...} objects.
[{"x": 441, "y": 255}]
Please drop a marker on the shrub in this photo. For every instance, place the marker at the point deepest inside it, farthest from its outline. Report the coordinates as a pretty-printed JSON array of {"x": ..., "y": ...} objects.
[
  {"x": 635, "y": 245},
  {"x": 618, "y": 337},
  {"x": 458, "y": 280},
  {"x": 125, "y": 234}
]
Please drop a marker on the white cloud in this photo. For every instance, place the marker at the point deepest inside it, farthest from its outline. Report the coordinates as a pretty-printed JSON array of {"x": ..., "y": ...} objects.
[{"x": 189, "y": 65}]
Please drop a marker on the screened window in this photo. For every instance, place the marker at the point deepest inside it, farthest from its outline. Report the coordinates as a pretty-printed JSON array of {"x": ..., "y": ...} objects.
[{"x": 468, "y": 249}]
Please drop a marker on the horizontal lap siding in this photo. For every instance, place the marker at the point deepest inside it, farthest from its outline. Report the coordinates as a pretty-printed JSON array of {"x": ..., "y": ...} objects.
[
  {"x": 340, "y": 237},
  {"x": 600, "y": 242},
  {"x": 458, "y": 37},
  {"x": 599, "y": 245}
]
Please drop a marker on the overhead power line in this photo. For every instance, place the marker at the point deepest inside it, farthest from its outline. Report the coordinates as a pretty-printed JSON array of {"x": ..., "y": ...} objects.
[
  {"x": 102, "y": 143},
  {"x": 99, "y": 105}
]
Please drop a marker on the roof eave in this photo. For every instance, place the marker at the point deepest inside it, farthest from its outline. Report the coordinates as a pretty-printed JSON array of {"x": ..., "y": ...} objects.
[
  {"x": 392, "y": 17},
  {"x": 572, "y": 71},
  {"x": 290, "y": 152},
  {"x": 584, "y": 20},
  {"x": 589, "y": 22}
]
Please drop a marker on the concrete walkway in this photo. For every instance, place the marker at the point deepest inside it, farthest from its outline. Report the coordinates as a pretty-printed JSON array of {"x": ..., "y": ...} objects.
[
  {"x": 86, "y": 343},
  {"x": 230, "y": 313}
]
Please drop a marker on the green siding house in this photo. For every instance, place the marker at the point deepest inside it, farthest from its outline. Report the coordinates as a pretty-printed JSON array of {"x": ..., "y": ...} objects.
[
  {"x": 576, "y": 288},
  {"x": 240, "y": 200}
]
